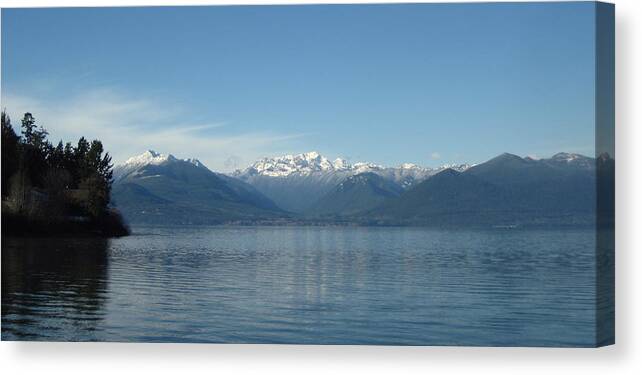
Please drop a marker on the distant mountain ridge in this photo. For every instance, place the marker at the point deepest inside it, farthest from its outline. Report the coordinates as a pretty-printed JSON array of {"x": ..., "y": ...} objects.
[
  {"x": 157, "y": 188},
  {"x": 296, "y": 182},
  {"x": 313, "y": 162},
  {"x": 505, "y": 190},
  {"x": 356, "y": 194},
  {"x": 149, "y": 157}
]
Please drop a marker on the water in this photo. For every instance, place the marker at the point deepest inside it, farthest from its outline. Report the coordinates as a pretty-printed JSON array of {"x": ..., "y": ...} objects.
[{"x": 309, "y": 285}]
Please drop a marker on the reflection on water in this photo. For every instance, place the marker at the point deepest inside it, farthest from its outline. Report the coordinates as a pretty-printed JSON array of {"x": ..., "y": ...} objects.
[
  {"x": 305, "y": 285},
  {"x": 54, "y": 288}
]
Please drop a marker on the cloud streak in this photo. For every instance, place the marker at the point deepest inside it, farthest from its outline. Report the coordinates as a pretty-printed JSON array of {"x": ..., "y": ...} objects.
[{"x": 128, "y": 126}]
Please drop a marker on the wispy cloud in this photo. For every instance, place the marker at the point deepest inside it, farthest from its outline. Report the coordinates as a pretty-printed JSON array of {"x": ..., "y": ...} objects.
[
  {"x": 183, "y": 129},
  {"x": 435, "y": 155},
  {"x": 128, "y": 126}
]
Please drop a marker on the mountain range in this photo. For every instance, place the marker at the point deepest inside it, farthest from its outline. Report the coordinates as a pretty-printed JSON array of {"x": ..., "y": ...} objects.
[
  {"x": 309, "y": 188},
  {"x": 156, "y": 188},
  {"x": 505, "y": 190},
  {"x": 296, "y": 182}
]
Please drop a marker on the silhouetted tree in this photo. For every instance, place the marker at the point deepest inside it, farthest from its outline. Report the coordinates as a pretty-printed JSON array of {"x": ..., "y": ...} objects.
[
  {"x": 46, "y": 184},
  {"x": 34, "y": 150},
  {"x": 33, "y": 135},
  {"x": 70, "y": 165},
  {"x": 99, "y": 163},
  {"x": 10, "y": 143},
  {"x": 28, "y": 128},
  {"x": 33, "y": 162},
  {"x": 97, "y": 195},
  {"x": 55, "y": 156}
]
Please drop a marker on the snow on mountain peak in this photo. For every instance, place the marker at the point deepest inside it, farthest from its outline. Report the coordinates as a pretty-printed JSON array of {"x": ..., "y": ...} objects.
[
  {"x": 341, "y": 164},
  {"x": 149, "y": 157},
  {"x": 195, "y": 162},
  {"x": 362, "y": 167},
  {"x": 565, "y": 156},
  {"x": 575, "y": 160},
  {"x": 314, "y": 165},
  {"x": 282, "y": 166},
  {"x": 456, "y": 167},
  {"x": 313, "y": 162},
  {"x": 312, "y": 155}
]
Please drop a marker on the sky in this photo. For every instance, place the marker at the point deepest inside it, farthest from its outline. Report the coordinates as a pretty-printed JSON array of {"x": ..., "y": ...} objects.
[{"x": 430, "y": 84}]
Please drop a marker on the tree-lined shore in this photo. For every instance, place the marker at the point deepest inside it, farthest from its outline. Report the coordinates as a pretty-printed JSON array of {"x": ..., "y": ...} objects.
[{"x": 55, "y": 190}]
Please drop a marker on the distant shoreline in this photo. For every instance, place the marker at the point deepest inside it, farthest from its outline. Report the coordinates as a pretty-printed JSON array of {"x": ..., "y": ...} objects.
[{"x": 358, "y": 224}]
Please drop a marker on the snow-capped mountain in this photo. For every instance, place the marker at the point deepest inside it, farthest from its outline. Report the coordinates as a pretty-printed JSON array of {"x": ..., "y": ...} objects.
[
  {"x": 158, "y": 188},
  {"x": 302, "y": 164},
  {"x": 149, "y": 157},
  {"x": 296, "y": 182},
  {"x": 313, "y": 163},
  {"x": 572, "y": 160}
]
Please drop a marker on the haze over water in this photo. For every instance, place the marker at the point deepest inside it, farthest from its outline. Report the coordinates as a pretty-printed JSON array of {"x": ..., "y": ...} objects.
[{"x": 328, "y": 285}]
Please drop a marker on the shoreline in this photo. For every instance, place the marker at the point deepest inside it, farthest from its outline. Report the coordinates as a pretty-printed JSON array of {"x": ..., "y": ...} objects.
[{"x": 23, "y": 226}]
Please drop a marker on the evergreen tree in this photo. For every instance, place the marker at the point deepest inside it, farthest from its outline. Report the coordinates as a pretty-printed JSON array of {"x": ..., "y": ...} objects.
[
  {"x": 80, "y": 159},
  {"x": 99, "y": 163},
  {"x": 28, "y": 128},
  {"x": 47, "y": 183},
  {"x": 33, "y": 135},
  {"x": 98, "y": 178},
  {"x": 56, "y": 169},
  {"x": 35, "y": 150},
  {"x": 55, "y": 157},
  {"x": 10, "y": 143}
]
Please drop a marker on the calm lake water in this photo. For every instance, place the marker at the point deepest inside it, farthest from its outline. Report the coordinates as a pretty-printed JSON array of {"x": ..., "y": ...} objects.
[{"x": 312, "y": 285}]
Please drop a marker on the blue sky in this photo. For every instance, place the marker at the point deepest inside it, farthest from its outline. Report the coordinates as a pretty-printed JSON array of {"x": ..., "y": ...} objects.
[{"x": 428, "y": 83}]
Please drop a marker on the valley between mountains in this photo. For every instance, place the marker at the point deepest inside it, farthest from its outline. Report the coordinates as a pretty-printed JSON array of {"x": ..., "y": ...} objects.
[{"x": 309, "y": 189}]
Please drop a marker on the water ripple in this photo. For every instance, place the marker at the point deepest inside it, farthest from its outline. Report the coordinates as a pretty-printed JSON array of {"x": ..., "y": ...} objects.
[{"x": 406, "y": 286}]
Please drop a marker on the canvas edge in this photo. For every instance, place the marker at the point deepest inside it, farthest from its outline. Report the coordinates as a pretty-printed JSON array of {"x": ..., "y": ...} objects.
[{"x": 605, "y": 173}]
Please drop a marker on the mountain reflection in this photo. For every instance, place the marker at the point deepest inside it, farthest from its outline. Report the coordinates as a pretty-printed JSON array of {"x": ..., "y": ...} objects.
[{"x": 53, "y": 288}]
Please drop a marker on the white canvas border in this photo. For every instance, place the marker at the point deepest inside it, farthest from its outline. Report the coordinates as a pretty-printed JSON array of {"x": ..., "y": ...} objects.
[{"x": 623, "y": 358}]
